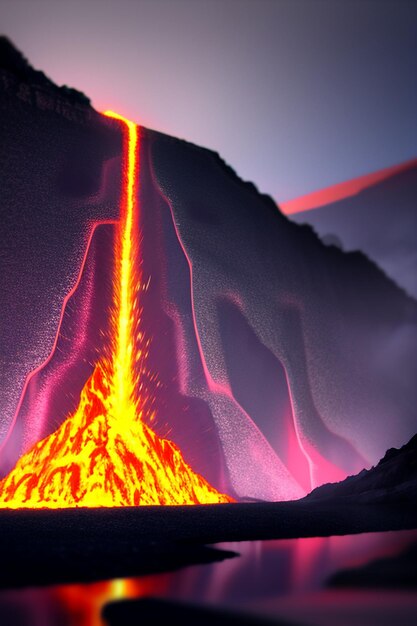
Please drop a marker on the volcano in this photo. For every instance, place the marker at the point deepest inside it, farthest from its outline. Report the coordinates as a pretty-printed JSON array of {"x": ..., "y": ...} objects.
[
  {"x": 273, "y": 362},
  {"x": 104, "y": 454}
]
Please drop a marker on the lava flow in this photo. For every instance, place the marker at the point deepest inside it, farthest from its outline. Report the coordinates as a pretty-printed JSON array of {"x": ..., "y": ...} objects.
[{"x": 104, "y": 454}]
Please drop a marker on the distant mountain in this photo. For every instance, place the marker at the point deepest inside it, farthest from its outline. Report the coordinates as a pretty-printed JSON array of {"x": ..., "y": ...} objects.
[
  {"x": 282, "y": 363},
  {"x": 380, "y": 220},
  {"x": 393, "y": 479}
]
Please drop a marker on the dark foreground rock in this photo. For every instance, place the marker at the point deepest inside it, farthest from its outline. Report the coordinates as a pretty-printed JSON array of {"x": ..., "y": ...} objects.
[
  {"x": 392, "y": 481},
  {"x": 45, "y": 546},
  {"x": 153, "y": 610}
]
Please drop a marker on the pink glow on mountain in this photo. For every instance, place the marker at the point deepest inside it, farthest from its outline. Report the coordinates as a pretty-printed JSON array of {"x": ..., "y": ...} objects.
[{"x": 340, "y": 191}]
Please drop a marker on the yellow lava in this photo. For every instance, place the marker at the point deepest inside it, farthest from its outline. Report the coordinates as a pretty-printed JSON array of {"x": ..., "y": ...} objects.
[{"x": 123, "y": 383}]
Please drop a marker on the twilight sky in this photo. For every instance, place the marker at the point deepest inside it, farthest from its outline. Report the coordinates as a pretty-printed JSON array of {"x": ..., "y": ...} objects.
[{"x": 296, "y": 95}]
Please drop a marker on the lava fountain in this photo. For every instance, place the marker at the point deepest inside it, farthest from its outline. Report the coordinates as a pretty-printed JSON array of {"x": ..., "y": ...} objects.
[{"x": 105, "y": 453}]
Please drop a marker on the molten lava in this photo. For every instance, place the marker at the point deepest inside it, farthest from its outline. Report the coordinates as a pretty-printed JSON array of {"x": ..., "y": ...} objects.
[
  {"x": 105, "y": 454},
  {"x": 100, "y": 458}
]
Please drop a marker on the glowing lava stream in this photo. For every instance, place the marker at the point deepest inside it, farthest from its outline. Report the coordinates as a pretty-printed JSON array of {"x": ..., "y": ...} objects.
[
  {"x": 123, "y": 358},
  {"x": 105, "y": 454}
]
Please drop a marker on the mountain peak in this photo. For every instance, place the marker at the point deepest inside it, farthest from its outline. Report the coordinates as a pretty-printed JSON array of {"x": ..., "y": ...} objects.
[{"x": 13, "y": 61}]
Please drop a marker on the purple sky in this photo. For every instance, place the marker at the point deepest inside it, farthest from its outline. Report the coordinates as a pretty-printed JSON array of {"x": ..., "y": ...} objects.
[{"x": 295, "y": 95}]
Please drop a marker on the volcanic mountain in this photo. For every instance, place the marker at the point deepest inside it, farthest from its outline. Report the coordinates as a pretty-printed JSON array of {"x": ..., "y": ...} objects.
[
  {"x": 282, "y": 363},
  {"x": 104, "y": 454}
]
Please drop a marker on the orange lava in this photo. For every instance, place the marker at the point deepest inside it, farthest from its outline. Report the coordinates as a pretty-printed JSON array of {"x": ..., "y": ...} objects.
[{"x": 105, "y": 454}]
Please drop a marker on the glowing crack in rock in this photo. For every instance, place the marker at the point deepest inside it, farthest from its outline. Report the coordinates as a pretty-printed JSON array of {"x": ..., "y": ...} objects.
[{"x": 104, "y": 454}]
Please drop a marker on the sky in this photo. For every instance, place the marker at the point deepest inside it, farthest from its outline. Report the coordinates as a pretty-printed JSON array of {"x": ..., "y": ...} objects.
[{"x": 295, "y": 95}]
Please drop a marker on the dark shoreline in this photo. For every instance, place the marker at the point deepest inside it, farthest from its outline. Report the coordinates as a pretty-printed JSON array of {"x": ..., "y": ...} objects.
[{"x": 44, "y": 546}]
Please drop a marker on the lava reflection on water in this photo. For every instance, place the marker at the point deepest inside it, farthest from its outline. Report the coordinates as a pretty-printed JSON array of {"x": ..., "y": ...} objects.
[
  {"x": 83, "y": 603},
  {"x": 284, "y": 578}
]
